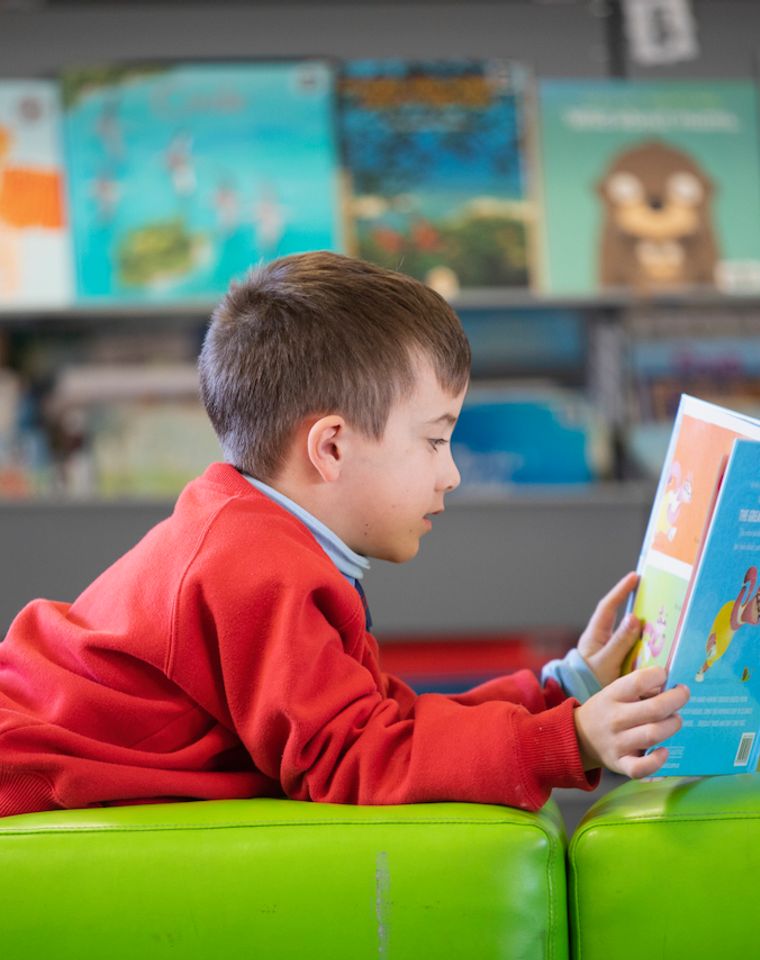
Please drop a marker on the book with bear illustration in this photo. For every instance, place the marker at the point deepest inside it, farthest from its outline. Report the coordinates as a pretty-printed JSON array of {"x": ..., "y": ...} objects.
[
  {"x": 698, "y": 596},
  {"x": 644, "y": 183}
]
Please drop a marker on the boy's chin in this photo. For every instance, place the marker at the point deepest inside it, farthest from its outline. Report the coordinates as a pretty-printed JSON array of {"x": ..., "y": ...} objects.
[{"x": 400, "y": 553}]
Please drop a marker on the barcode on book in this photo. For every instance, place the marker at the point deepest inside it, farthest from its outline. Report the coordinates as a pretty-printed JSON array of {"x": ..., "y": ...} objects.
[{"x": 745, "y": 746}]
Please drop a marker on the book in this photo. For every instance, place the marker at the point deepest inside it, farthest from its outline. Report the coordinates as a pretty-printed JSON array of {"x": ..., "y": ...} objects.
[
  {"x": 35, "y": 254},
  {"x": 533, "y": 432},
  {"x": 697, "y": 588},
  {"x": 643, "y": 183},
  {"x": 716, "y": 651},
  {"x": 182, "y": 177},
  {"x": 700, "y": 442},
  {"x": 129, "y": 430},
  {"x": 514, "y": 342},
  {"x": 437, "y": 172},
  {"x": 709, "y": 352}
]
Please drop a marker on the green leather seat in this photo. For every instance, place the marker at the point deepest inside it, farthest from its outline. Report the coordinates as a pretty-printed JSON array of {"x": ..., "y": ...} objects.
[
  {"x": 281, "y": 879},
  {"x": 668, "y": 868}
]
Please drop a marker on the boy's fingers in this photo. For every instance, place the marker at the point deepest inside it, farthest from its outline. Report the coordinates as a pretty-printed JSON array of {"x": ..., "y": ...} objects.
[
  {"x": 658, "y": 707},
  {"x": 650, "y": 734},
  {"x": 614, "y": 597},
  {"x": 638, "y": 767},
  {"x": 626, "y": 634},
  {"x": 640, "y": 684},
  {"x": 606, "y": 609}
]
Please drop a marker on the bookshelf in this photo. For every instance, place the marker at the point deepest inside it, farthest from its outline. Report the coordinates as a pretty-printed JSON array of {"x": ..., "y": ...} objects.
[{"x": 533, "y": 558}]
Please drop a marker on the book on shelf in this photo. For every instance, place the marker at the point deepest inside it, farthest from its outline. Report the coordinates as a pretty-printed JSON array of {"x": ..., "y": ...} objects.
[
  {"x": 35, "y": 254},
  {"x": 705, "y": 352},
  {"x": 549, "y": 342},
  {"x": 436, "y": 169},
  {"x": 181, "y": 176},
  {"x": 698, "y": 596},
  {"x": 644, "y": 183},
  {"x": 129, "y": 430},
  {"x": 534, "y": 432}
]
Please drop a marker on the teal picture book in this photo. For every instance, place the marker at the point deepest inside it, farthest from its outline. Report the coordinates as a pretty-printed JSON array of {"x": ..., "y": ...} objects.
[
  {"x": 649, "y": 186},
  {"x": 183, "y": 176},
  {"x": 716, "y": 652}
]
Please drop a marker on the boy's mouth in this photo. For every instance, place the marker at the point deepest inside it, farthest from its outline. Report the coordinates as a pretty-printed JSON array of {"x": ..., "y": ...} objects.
[{"x": 428, "y": 518}]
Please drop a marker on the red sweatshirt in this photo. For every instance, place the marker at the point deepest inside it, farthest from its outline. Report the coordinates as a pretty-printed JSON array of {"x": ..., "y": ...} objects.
[{"x": 226, "y": 656}]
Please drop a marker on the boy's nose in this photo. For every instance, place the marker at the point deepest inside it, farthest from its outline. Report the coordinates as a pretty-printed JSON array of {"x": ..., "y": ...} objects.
[{"x": 451, "y": 478}]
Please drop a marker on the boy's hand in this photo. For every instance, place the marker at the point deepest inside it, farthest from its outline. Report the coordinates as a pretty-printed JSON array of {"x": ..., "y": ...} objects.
[
  {"x": 602, "y": 649},
  {"x": 619, "y": 723}
]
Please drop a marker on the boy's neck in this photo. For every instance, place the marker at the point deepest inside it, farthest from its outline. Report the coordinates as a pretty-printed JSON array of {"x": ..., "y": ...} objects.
[{"x": 350, "y": 563}]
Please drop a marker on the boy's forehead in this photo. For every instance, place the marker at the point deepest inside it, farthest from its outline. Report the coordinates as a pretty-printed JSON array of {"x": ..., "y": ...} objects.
[
  {"x": 438, "y": 406},
  {"x": 430, "y": 401}
]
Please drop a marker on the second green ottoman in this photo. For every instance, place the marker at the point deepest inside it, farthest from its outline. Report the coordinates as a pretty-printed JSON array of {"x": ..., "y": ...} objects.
[{"x": 668, "y": 868}]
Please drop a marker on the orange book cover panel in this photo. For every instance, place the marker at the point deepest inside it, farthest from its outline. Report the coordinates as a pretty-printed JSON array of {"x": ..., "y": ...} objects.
[{"x": 35, "y": 257}]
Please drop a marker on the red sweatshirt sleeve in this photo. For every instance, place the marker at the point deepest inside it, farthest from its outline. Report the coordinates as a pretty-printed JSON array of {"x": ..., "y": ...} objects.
[{"x": 307, "y": 699}]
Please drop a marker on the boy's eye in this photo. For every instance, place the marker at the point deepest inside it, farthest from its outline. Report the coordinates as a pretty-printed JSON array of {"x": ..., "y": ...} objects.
[{"x": 436, "y": 442}]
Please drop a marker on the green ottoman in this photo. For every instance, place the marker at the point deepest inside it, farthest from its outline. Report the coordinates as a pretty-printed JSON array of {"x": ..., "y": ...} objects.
[
  {"x": 281, "y": 879},
  {"x": 670, "y": 869}
]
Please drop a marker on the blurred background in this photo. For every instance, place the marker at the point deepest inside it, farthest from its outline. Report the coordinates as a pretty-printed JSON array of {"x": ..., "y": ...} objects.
[{"x": 580, "y": 178}]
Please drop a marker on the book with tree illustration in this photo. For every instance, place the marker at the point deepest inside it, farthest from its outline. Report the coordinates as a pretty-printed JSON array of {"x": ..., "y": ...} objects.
[
  {"x": 698, "y": 593},
  {"x": 437, "y": 169}
]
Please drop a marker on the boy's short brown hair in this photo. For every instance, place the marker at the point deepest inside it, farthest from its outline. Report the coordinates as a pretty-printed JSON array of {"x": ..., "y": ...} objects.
[{"x": 319, "y": 333}]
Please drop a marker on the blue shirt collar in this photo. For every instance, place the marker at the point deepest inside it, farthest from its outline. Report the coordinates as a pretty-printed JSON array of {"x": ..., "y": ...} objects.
[{"x": 352, "y": 565}]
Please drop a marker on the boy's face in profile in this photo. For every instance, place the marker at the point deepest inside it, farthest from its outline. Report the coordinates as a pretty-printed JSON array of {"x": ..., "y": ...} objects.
[{"x": 393, "y": 486}]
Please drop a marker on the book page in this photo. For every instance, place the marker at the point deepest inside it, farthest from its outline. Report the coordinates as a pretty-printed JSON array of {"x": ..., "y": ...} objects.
[{"x": 702, "y": 438}]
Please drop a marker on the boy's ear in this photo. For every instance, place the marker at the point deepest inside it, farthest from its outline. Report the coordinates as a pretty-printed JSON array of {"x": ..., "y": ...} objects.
[{"x": 326, "y": 446}]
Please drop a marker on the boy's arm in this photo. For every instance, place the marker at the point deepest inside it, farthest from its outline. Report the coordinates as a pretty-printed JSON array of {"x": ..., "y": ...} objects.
[
  {"x": 311, "y": 707},
  {"x": 520, "y": 687},
  {"x": 318, "y": 721}
]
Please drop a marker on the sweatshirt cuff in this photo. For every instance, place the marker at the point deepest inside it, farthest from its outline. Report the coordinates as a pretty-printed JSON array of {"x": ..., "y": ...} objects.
[
  {"x": 573, "y": 674},
  {"x": 549, "y": 744}
]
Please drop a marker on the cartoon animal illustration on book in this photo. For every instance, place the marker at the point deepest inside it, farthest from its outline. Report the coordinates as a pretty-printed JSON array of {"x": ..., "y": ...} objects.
[
  {"x": 657, "y": 222},
  {"x": 654, "y": 636},
  {"x": 745, "y": 609},
  {"x": 677, "y": 492}
]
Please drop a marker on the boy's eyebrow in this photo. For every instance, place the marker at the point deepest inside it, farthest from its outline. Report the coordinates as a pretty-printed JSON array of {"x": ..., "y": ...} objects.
[{"x": 444, "y": 418}]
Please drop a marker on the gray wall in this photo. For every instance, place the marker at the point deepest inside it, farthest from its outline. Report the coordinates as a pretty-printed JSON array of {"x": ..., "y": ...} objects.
[
  {"x": 555, "y": 39},
  {"x": 531, "y": 561}
]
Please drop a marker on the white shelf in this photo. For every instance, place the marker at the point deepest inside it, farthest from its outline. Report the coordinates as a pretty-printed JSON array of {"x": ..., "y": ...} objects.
[{"x": 493, "y": 298}]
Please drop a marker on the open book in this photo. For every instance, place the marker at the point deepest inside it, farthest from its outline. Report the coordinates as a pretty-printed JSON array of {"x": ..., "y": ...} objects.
[{"x": 699, "y": 596}]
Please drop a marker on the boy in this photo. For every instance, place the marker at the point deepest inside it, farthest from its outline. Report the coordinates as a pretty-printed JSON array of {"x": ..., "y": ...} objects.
[{"x": 228, "y": 654}]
